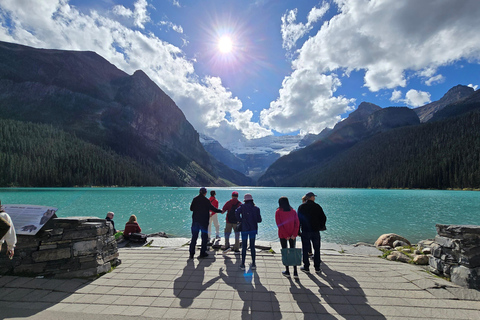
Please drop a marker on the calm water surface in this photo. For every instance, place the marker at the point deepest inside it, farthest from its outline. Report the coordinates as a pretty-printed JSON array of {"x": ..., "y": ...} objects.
[{"x": 353, "y": 214}]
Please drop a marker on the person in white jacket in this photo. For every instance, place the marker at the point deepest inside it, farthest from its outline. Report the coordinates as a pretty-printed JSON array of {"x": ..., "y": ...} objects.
[{"x": 10, "y": 237}]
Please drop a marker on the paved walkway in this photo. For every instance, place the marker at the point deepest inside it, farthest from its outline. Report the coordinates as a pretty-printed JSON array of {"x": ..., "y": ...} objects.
[{"x": 163, "y": 283}]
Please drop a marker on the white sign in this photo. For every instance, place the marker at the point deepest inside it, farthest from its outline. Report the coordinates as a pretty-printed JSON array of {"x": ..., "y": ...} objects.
[{"x": 29, "y": 219}]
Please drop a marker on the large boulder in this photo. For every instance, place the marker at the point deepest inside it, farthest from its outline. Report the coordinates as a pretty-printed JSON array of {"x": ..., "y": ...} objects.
[{"x": 387, "y": 240}]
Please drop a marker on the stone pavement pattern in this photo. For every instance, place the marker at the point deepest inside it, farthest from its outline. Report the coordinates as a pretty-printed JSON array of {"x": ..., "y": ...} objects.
[{"x": 163, "y": 283}]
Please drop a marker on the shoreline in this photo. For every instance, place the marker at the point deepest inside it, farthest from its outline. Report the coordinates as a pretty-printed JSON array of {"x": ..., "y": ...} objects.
[{"x": 363, "y": 249}]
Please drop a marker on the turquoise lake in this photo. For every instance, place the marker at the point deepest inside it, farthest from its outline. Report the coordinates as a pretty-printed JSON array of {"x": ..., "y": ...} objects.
[{"x": 353, "y": 215}]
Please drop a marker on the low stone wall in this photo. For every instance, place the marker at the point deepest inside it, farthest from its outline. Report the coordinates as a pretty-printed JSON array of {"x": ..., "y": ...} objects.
[
  {"x": 65, "y": 248},
  {"x": 456, "y": 254}
]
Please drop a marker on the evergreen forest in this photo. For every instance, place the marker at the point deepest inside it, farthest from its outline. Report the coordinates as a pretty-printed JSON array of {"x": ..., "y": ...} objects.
[
  {"x": 39, "y": 155},
  {"x": 436, "y": 155}
]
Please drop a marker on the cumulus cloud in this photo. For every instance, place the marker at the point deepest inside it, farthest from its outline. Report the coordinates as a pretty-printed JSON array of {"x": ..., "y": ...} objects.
[
  {"x": 306, "y": 103},
  {"x": 139, "y": 14},
  {"x": 473, "y": 86},
  {"x": 172, "y": 26},
  {"x": 56, "y": 24},
  {"x": 292, "y": 31},
  {"x": 417, "y": 98},
  {"x": 396, "y": 96},
  {"x": 384, "y": 39},
  {"x": 413, "y": 98}
]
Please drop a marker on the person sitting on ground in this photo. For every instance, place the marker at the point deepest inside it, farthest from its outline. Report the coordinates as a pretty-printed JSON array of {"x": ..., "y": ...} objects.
[
  {"x": 10, "y": 237},
  {"x": 109, "y": 217},
  {"x": 131, "y": 226}
]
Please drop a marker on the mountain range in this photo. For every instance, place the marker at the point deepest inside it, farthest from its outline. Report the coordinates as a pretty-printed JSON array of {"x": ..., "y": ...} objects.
[
  {"x": 83, "y": 94},
  {"x": 392, "y": 148},
  {"x": 72, "y": 118}
]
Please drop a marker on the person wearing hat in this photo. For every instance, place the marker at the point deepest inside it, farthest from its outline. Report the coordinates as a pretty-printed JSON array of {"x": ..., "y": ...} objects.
[
  {"x": 231, "y": 222},
  {"x": 213, "y": 217},
  {"x": 312, "y": 221},
  {"x": 201, "y": 208},
  {"x": 248, "y": 216}
]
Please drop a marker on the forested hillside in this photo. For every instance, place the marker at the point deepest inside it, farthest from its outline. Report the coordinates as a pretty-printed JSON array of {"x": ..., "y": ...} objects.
[
  {"x": 440, "y": 155},
  {"x": 41, "y": 155}
]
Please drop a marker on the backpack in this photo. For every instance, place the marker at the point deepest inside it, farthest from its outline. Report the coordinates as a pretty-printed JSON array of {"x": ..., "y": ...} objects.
[{"x": 231, "y": 213}]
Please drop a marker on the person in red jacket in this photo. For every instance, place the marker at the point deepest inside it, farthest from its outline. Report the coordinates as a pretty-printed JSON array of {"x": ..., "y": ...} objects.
[
  {"x": 131, "y": 226},
  {"x": 288, "y": 225}
]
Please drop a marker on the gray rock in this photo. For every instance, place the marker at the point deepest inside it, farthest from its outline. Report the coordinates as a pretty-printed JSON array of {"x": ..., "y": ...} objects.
[
  {"x": 466, "y": 277},
  {"x": 399, "y": 243},
  {"x": 427, "y": 250},
  {"x": 388, "y": 239},
  {"x": 420, "y": 259},
  {"x": 401, "y": 256},
  {"x": 457, "y": 231}
]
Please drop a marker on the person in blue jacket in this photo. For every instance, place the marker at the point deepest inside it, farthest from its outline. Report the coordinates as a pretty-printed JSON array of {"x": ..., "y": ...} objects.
[{"x": 248, "y": 217}]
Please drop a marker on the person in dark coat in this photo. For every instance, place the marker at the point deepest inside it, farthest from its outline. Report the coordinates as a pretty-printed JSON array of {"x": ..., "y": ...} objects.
[
  {"x": 109, "y": 217},
  {"x": 248, "y": 217},
  {"x": 201, "y": 208},
  {"x": 312, "y": 221}
]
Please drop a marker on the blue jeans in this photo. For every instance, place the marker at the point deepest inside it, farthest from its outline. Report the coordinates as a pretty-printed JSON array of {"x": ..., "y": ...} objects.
[
  {"x": 196, "y": 228},
  {"x": 310, "y": 239},
  {"x": 248, "y": 235}
]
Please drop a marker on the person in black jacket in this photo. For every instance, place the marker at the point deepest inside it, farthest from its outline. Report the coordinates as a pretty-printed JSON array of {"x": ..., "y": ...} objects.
[
  {"x": 312, "y": 221},
  {"x": 201, "y": 208}
]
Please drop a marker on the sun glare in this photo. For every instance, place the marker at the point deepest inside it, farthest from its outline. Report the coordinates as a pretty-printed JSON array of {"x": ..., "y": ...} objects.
[{"x": 225, "y": 44}]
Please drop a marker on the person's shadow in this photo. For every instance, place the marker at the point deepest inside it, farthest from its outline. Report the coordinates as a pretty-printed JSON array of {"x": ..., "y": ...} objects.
[
  {"x": 190, "y": 284},
  {"x": 344, "y": 294},
  {"x": 256, "y": 297},
  {"x": 308, "y": 302}
]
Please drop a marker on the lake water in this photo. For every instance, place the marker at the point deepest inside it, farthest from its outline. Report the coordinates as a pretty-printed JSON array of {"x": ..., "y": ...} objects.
[{"x": 353, "y": 215}]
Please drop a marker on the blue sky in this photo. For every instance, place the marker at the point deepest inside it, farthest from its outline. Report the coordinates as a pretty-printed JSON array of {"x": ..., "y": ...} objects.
[{"x": 294, "y": 66}]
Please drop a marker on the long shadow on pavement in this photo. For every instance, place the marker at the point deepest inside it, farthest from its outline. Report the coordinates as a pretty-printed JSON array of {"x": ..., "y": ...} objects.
[
  {"x": 193, "y": 276},
  {"x": 344, "y": 294},
  {"x": 258, "y": 301}
]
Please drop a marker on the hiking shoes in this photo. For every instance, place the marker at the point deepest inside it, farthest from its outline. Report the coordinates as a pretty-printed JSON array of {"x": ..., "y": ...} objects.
[
  {"x": 242, "y": 267},
  {"x": 286, "y": 274},
  {"x": 303, "y": 269}
]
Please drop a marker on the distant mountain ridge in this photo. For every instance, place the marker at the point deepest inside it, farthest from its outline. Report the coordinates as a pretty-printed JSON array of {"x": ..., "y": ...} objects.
[
  {"x": 310, "y": 166},
  {"x": 84, "y": 94},
  {"x": 455, "y": 94}
]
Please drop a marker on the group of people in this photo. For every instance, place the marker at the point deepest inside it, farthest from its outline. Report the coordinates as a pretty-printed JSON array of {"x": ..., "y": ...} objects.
[
  {"x": 243, "y": 219},
  {"x": 131, "y": 227}
]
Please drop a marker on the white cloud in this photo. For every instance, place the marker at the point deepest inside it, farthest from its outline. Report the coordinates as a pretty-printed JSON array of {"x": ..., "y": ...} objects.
[
  {"x": 173, "y": 26},
  {"x": 396, "y": 96},
  {"x": 416, "y": 98},
  {"x": 292, "y": 31},
  {"x": 383, "y": 38},
  {"x": 306, "y": 103},
  {"x": 57, "y": 25},
  {"x": 140, "y": 14},
  {"x": 473, "y": 86},
  {"x": 436, "y": 79},
  {"x": 386, "y": 38}
]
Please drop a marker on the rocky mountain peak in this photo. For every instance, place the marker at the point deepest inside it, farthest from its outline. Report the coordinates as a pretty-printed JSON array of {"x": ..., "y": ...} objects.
[{"x": 453, "y": 95}]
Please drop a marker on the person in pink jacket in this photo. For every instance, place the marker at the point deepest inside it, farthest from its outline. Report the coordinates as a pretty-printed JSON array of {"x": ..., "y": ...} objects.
[{"x": 288, "y": 225}]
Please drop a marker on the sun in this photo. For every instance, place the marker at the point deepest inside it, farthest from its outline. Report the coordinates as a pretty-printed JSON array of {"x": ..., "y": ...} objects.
[{"x": 225, "y": 44}]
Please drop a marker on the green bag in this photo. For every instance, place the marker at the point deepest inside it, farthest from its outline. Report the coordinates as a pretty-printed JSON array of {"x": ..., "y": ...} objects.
[{"x": 292, "y": 256}]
